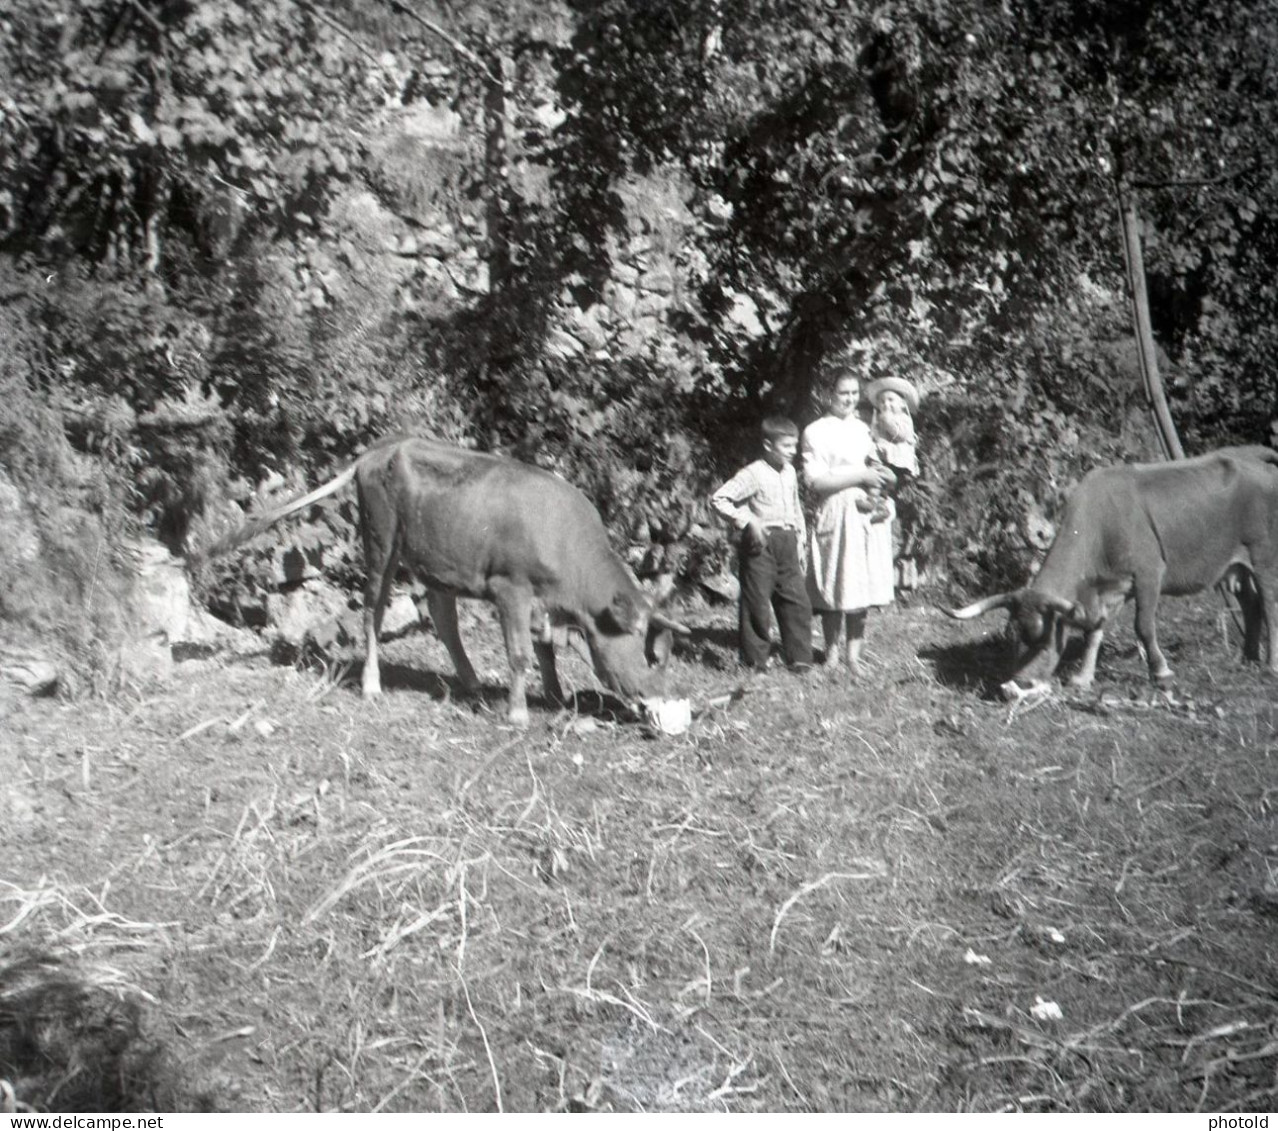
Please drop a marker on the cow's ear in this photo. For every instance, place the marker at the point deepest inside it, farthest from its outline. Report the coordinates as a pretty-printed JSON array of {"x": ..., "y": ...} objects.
[{"x": 626, "y": 612}]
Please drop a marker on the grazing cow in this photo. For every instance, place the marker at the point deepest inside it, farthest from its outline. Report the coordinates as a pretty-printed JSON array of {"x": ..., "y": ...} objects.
[
  {"x": 471, "y": 524},
  {"x": 1136, "y": 531}
]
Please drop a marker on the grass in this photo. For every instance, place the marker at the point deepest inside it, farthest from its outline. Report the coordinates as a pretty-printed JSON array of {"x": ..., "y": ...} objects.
[{"x": 267, "y": 894}]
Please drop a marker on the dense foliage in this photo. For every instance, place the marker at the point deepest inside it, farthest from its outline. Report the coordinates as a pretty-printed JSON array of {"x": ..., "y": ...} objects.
[{"x": 237, "y": 257}]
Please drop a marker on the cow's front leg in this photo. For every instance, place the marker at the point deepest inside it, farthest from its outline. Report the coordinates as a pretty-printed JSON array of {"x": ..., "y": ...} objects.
[
  {"x": 1087, "y": 669},
  {"x": 545, "y": 652},
  {"x": 1108, "y": 602},
  {"x": 514, "y": 606},
  {"x": 443, "y": 612}
]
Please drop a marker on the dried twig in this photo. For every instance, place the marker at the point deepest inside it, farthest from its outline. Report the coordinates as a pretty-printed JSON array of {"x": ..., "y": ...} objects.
[
  {"x": 492, "y": 1064},
  {"x": 807, "y": 889}
]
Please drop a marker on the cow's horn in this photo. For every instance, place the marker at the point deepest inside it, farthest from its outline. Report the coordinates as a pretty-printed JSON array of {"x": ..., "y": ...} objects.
[
  {"x": 660, "y": 620},
  {"x": 981, "y": 607}
]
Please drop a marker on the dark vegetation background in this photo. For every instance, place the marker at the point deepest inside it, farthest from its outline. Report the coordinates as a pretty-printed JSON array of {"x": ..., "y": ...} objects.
[{"x": 240, "y": 239}]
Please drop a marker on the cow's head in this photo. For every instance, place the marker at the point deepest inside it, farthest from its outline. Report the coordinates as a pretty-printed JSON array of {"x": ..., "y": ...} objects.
[
  {"x": 1040, "y": 624},
  {"x": 630, "y": 644}
]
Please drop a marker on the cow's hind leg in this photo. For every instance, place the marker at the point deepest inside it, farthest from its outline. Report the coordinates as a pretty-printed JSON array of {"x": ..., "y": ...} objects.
[
  {"x": 1252, "y": 606},
  {"x": 514, "y": 606},
  {"x": 1147, "y": 591},
  {"x": 1266, "y": 601},
  {"x": 443, "y": 611},
  {"x": 381, "y": 559}
]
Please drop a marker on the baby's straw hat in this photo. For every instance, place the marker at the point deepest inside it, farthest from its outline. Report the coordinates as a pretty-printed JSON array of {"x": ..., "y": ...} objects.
[{"x": 893, "y": 385}]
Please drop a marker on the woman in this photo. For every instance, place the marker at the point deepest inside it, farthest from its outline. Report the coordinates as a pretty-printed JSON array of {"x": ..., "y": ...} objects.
[{"x": 847, "y": 570}]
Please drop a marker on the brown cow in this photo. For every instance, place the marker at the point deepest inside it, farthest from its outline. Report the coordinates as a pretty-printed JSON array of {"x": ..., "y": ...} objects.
[
  {"x": 1136, "y": 531},
  {"x": 472, "y": 524}
]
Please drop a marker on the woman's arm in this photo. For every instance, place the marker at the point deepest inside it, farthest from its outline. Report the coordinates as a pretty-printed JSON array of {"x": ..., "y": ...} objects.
[
  {"x": 824, "y": 476},
  {"x": 827, "y": 481}
]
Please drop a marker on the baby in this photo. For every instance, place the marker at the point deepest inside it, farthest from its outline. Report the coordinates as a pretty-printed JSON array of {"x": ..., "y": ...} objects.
[
  {"x": 892, "y": 427},
  {"x": 895, "y": 401}
]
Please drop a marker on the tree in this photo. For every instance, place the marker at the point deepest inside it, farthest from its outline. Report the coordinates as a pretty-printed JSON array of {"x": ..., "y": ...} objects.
[{"x": 130, "y": 123}]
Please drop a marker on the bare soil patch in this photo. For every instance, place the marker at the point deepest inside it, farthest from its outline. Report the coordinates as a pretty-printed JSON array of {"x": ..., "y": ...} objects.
[{"x": 248, "y": 889}]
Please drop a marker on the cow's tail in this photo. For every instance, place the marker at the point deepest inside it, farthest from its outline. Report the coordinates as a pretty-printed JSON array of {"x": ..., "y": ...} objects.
[{"x": 261, "y": 522}]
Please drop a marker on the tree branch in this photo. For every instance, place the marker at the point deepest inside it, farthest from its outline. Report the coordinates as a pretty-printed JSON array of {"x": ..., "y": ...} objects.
[
  {"x": 148, "y": 16},
  {"x": 452, "y": 41},
  {"x": 1208, "y": 182},
  {"x": 344, "y": 32}
]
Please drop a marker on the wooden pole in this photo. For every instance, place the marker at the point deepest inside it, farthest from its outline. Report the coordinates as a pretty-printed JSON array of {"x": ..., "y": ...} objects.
[{"x": 1155, "y": 395}]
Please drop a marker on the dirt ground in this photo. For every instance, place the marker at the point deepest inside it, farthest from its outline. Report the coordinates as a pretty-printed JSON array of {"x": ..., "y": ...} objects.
[{"x": 250, "y": 890}]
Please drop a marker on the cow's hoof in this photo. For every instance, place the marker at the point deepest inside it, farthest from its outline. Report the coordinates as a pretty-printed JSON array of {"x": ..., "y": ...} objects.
[
  {"x": 518, "y": 719},
  {"x": 371, "y": 691},
  {"x": 1013, "y": 692},
  {"x": 1163, "y": 680},
  {"x": 1079, "y": 683}
]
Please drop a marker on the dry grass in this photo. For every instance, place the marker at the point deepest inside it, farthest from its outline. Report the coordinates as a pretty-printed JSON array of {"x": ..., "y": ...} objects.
[{"x": 822, "y": 897}]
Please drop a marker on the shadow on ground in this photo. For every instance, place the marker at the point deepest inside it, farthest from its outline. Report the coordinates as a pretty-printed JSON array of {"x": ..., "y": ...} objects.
[
  {"x": 972, "y": 665},
  {"x": 492, "y": 697}
]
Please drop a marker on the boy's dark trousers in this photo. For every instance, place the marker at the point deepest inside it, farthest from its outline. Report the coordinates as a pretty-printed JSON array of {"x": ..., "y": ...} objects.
[{"x": 771, "y": 579}]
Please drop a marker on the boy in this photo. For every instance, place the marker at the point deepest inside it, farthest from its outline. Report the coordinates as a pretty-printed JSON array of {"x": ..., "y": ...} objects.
[{"x": 762, "y": 503}]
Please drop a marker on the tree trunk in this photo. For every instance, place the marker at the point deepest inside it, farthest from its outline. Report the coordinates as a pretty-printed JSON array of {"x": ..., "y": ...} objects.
[
  {"x": 1155, "y": 394},
  {"x": 156, "y": 209},
  {"x": 497, "y": 169}
]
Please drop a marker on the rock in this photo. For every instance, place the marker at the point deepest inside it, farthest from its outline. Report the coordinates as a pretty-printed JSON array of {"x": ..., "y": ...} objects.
[
  {"x": 562, "y": 345},
  {"x": 146, "y": 658},
  {"x": 343, "y": 634},
  {"x": 30, "y": 671},
  {"x": 291, "y": 564},
  {"x": 335, "y": 636},
  {"x": 588, "y": 328},
  {"x": 659, "y": 281},
  {"x": 166, "y": 616},
  {"x": 722, "y": 587},
  {"x": 623, "y": 300},
  {"x": 21, "y": 542},
  {"x": 433, "y": 124},
  {"x": 162, "y": 597},
  {"x": 401, "y": 615},
  {"x": 292, "y": 615},
  {"x": 625, "y": 272}
]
